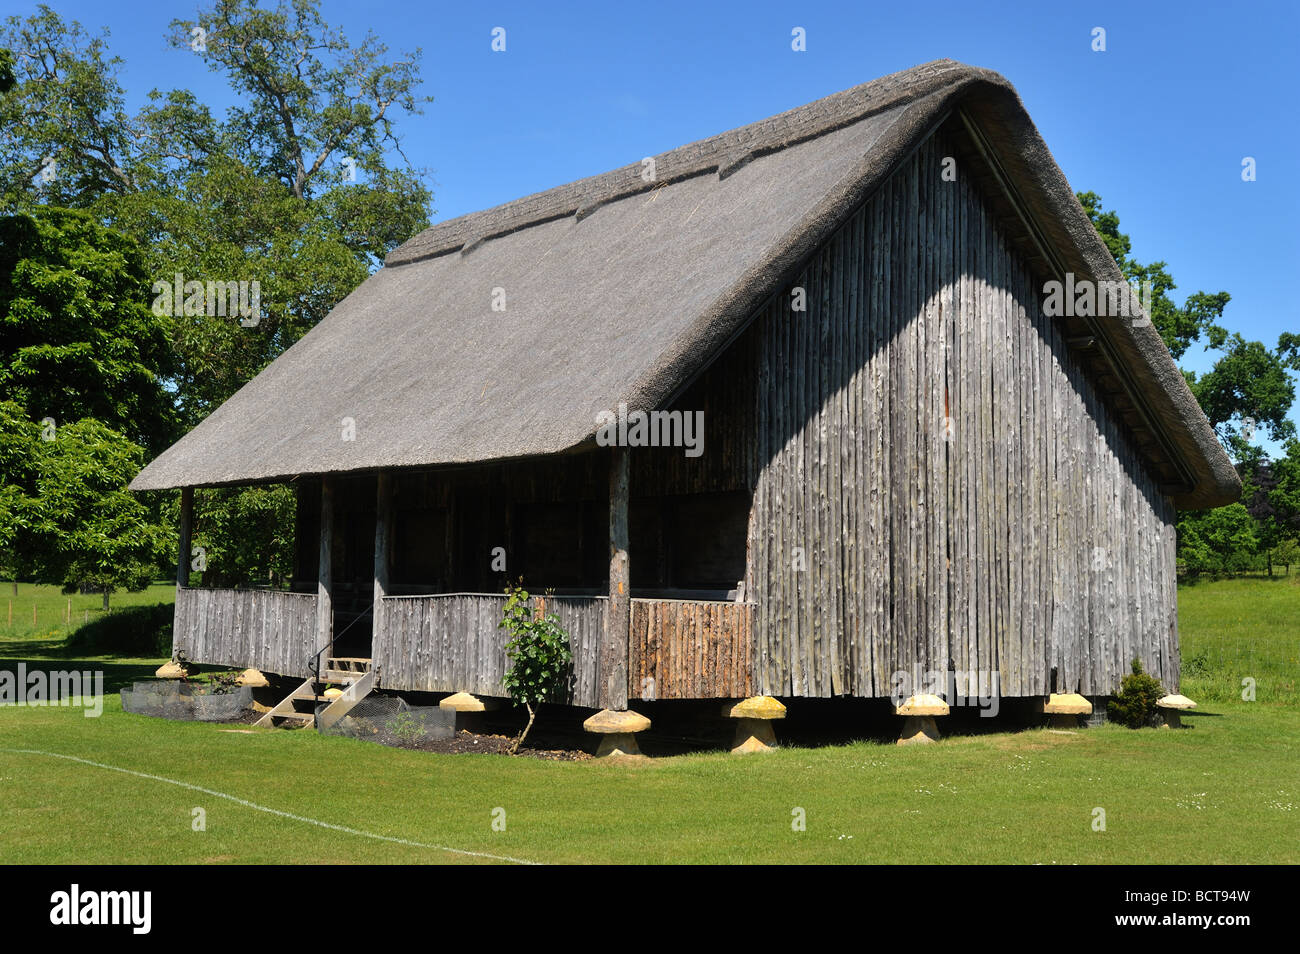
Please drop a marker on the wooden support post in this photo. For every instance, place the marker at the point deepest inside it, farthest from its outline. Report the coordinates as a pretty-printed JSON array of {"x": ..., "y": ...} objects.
[
  {"x": 183, "y": 551},
  {"x": 180, "y": 619},
  {"x": 383, "y": 555},
  {"x": 451, "y": 573},
  {"x": 324, "y": 575},
  {"x": 614, "y": 645}
]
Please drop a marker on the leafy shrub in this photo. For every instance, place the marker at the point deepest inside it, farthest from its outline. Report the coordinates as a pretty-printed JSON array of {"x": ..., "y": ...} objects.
[
  {"x": 538, "y": 652},
  {"x": 1198, "y": 665},
  {"x": 130, "y": 631},
  {"x": 1135, "y": 704},
  {"x": 221, "y": 683},
  {"x": 407, "y": 729},
  {"x": 1286, "y": 553}
]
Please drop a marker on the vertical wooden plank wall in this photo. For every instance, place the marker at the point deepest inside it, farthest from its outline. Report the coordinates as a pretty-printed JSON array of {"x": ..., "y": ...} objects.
[
  {"x": 937, "y": 481},
  {"x": 452, "y": 643},
  {"x": 268, "y": 630},
  {"x": 686, "y": 649}
]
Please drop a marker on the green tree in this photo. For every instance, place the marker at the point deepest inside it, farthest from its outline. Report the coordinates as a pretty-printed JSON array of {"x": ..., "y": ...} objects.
[
  {"x": 67, "y": 134},
  {"x": 1179, "y": 325},
  {"x": 311, "y": 96},
  {"x": 69, "y": 518},
  {"x": 6, "y": 71},
  {"x": 261, "y": 194},
  {"x": 1287, "y": 553},
  {"x": 77, "y": 337},
  {"x": 538, "y": 652},
  {"x": 19, "y": 436},
  {"x": 1223, "y": 540},
  {"x": 1248, "y": 391},
  {"x": 1271, "y": 495},
  {"x": 245, "y": 534}
]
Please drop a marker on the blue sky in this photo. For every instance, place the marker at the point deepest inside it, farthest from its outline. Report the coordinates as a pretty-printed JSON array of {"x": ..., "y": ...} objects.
[{"x": 1158, "y": 124}]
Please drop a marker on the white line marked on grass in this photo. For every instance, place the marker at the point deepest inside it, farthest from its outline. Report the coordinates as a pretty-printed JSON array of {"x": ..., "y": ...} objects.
[{"x": 272, "y": 811}]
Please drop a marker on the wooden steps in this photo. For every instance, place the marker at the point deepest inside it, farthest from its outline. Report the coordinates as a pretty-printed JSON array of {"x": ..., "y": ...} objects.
[{"x": 307, "y": 704}]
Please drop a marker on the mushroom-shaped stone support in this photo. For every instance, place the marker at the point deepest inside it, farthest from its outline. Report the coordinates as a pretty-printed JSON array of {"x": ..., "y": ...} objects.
[
  {"x": 1064, "y": 708},
  {"x": 171, "y": 670},
  {"x": 754, "y": 723},
  {"x": 469, "y": 710},
  {"x": 919, "y": 727},
  {"x": 252, "y": 678},
  {"x": 1171, "y": 707},
  {"x": 617, "y": 731}
]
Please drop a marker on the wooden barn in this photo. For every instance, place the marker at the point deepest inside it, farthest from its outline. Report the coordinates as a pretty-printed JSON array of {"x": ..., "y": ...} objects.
[{"x": 886, "y": 452}]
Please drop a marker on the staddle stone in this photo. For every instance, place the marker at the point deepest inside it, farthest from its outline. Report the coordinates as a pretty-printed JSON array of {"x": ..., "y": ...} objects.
[
  {"x": 617, "y": 731},
  {"x": 464, "y": 702},
  {"x": 924, "y": 704},
  {"x": 171, "y": 670},
  {"x": 755, "y": 707}
]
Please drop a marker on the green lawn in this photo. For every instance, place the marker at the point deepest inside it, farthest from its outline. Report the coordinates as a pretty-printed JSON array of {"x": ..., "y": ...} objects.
[
  {"x": 1234, "y": 629},
  {"x": 1225, "y": 790},
  {"x": 52, "y": 609}
]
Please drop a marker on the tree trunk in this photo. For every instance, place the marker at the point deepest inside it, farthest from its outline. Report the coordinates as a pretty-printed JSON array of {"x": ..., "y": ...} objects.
[
  {"x": 532, "y": 714},
  {"x": 105, "y": 599}
]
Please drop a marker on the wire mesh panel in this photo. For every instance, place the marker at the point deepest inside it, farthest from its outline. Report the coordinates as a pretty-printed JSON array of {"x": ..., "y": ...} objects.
[
  {"x": 390, "y": 720},
  {"x": 222, "y": 707},
  {"x": 1098, "y": 716},
  {"x": 179, "y": 700}
]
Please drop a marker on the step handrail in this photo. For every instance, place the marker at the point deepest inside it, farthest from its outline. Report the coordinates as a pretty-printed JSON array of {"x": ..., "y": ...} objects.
[{"x": 313, "y": 664}]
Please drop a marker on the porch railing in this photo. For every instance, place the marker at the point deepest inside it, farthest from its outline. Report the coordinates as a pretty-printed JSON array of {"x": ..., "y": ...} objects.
[
  {"x": 690, "y": 649},
  {"x": 450, "y": 642},
  {"x": 270, "y": 630}
]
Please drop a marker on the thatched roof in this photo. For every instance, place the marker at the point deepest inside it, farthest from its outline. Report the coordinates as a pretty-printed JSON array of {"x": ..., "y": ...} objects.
[{"x": 621, "y": 290}]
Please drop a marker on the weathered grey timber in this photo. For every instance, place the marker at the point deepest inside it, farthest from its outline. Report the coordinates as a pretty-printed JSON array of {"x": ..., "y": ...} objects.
[
  {"x": 324, "y": 578},
  {"x": 614, "y": 641},
  {"x": 1024, "y": 535},
  {"x": 268, "y": 630},
  {"x": 451, "y": 643}
]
